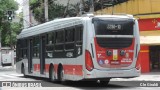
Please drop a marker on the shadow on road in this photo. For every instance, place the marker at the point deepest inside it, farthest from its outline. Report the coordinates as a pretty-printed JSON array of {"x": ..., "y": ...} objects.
[{"x": 78, "y": 84}]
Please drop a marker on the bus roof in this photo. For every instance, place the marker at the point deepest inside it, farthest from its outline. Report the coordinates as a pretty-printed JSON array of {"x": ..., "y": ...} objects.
[
  {"x": 60, "y": 24},
  {"x": 50, "y": 26},
  {"x": 117, "y": 16}
]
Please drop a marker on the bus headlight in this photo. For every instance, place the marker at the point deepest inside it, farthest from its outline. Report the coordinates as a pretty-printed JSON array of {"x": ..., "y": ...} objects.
[
  {"x": 122, "y": 52},
  {"x": 109, "y": 53}
]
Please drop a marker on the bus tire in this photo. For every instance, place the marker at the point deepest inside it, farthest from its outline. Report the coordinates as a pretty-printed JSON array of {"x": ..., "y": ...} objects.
[
  {"x": 2, "y": 65},
  {"x": 51, "y": 74},
  {"x": 104, "y": 83},
  {"x": 61, "y": 75}
]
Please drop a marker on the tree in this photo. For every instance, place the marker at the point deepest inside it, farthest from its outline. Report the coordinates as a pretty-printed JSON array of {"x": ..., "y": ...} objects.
[
  {"x": 8, "y": 29},
  {"x": 55, "y": 10},
  {"x": 7, "y": 5}
]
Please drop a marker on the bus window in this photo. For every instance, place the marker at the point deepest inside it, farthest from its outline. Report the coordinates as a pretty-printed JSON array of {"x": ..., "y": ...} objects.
[
  {"x": 59, "y": 45},
  {"x": 69, "y": 35},
  {"x": 36, "y": 47},
  {"x": 113, "y": 26},
  {"x": 60, "y": 37},
  {"x": 79, "y": 33},
  {"x": 50, "y": 38},
  {"x": 23, "y": 48},
  {"x": 49, "y": 45},
  {"x": 79, "y": 38},
  {"x": 69, "y": 38}
]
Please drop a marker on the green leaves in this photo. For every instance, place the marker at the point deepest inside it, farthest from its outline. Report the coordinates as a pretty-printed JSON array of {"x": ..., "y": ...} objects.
[
  {"x": 55, "y": 10},
  {"x": 8, "y": 30}
]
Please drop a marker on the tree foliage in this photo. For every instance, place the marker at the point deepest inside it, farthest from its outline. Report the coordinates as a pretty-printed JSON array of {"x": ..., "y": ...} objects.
[
  {"x": 55, "y": 10},
  {"x": 9, "y": 30},
  {"x": 60, "y": 11}
]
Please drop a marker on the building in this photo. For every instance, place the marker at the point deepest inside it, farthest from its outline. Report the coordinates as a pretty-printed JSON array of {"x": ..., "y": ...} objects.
[{"x": 148, "y": 14}]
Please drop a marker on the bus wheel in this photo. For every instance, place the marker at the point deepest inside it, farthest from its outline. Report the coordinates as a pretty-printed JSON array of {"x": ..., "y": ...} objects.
[
  {"x": 51, "y": 74},
  {"x": 104, "y": 83},
  {"x": 61, "y": 75},
  {"x": 2, "y": 65}
]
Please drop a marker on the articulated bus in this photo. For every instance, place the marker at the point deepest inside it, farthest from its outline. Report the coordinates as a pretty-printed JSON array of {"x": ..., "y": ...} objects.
[{"x": 94, "y": 47}]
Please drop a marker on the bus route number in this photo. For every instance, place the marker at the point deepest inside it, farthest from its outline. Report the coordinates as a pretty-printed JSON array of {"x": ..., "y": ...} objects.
[{"x": 114, "y": 27}]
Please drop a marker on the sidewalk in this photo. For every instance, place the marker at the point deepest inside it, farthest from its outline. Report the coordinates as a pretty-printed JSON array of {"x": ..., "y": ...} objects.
[
  {"x": 8, "y": 67},
  {"x": 152, "y": 76}
]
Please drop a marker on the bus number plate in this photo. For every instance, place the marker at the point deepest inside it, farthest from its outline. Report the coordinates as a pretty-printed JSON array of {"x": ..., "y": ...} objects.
[
  {"x": 114, "y": 27},
  {"x": 113, "y": 62}
]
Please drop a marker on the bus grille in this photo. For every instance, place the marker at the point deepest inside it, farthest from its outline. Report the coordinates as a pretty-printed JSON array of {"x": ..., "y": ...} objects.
[{"x": 114, "y": 42}]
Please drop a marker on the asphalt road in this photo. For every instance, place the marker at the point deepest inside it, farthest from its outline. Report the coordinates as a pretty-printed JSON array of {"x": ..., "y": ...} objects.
[{"x": 9, "y": 74}]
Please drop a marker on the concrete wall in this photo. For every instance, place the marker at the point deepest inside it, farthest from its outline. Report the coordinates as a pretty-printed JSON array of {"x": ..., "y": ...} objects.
[{"x": 144, "y": 58}]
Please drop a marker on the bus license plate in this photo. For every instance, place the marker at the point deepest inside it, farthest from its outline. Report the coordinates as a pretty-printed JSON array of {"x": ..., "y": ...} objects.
[{"x": 113, "y": 62}]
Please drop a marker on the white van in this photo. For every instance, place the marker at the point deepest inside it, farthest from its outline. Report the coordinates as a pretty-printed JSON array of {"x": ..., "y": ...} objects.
[{"x": 7, "y": 56}]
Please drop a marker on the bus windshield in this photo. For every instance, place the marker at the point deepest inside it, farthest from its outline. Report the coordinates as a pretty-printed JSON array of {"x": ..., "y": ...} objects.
[{"x": 113, "y": 26}]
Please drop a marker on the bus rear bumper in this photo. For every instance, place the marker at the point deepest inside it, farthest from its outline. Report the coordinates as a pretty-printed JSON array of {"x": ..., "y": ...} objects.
[{"x": 96, "y": 73}]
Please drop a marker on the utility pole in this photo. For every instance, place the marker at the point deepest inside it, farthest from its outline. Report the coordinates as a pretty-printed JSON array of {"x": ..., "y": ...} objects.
[
  {"x": 26, "y": 15},
  {"x": 46, "y": 10},
  {"x": 81, "y": 8},
  {"x": 65, "y": 11},
  {"x": 0, "y": 45},
  {"x": 91, "y": 6}
]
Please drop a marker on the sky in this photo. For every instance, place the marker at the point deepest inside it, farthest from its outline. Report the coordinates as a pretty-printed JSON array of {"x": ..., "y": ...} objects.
[{"x": 20, "y": 2}]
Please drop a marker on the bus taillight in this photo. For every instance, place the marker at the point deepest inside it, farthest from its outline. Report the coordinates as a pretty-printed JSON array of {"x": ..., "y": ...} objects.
[{"x": 88, "y": 61}]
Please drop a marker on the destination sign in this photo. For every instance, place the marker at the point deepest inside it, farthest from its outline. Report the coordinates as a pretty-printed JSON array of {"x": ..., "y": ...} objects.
[{"x": 114, "y": 27}]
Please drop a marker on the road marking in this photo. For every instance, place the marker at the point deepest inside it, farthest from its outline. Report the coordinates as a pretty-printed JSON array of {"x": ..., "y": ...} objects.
[
  {"x": 16, "y": 74},
  {"x": 8, "y": 76}
]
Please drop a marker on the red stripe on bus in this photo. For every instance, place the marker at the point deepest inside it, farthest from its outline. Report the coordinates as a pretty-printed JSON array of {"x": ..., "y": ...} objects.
[
  {"x": 73, "y": 69},
  {"x": 68, "y": 69},
  {"x": 46, "y": 67},
  {"x": 37, "y": 67}
]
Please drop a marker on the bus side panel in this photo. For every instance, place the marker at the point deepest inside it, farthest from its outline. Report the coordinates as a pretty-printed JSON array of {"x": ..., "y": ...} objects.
[{"x": 18, "y": 66}]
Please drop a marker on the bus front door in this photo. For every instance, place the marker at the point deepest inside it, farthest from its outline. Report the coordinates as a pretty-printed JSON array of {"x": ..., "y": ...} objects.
[
  {"x": 30, "y": 53},
  {"x": 42, "y": 55}
]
